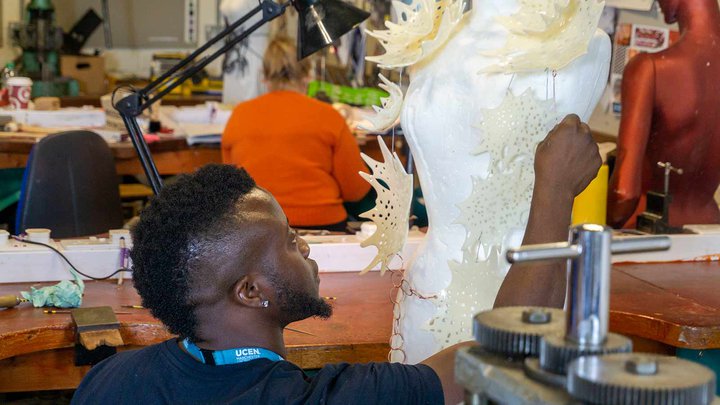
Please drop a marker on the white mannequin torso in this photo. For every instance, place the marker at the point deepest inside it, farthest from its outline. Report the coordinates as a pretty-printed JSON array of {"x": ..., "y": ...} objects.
[{"x": 443, "y": 107}]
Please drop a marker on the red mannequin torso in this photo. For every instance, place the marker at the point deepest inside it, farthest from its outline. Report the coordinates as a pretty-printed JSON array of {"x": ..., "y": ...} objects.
[{"x": 670, "y": 114}]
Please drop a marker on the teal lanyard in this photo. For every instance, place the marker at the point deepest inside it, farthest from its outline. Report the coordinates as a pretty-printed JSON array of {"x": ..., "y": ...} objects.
[{"x": 230, "y": 356}]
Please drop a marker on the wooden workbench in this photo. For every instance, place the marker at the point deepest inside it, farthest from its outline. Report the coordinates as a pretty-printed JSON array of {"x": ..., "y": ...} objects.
[
  {"x": 36, "y": 349},
  {"x": 667, "y": 305},
  {"x": 171, "y": 99},
  {"x": 661, "y": 306},
  {"x": 172, "y": 156}
]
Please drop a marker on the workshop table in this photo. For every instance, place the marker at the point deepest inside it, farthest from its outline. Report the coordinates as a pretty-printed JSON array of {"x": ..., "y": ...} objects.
[
  {"x": 667, "y": 306},
  {"x": 170, "y": 99},
  {"x": 662, "y": 307},
  {"x": 36, "y": 349},
  {"x": 172, "y": 156}
]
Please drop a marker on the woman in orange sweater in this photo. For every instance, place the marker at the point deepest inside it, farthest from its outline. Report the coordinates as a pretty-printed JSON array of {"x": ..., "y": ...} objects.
[{"x": 297, "y": 148}]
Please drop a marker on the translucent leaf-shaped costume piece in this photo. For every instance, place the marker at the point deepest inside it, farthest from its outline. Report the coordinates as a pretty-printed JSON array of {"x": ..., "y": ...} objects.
[
  {"x": 497, "y": 205},
  {"x": 387, "y": 115},
  {"x": 491, "y": 209},
  {"x": 547, "y": 34},
  {"x": 424, "y": 26},
  {"x": 391, "y": 214},
  {"x": 524, "y": 119},
  {"x": 469, "y": 292}
]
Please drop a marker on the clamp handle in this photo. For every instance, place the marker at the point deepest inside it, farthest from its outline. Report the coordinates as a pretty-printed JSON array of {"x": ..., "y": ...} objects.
[
  {"x": 668, "y": 168},
  {"x": 566, "y": 250},
  {"x": 589, "y": 255}
]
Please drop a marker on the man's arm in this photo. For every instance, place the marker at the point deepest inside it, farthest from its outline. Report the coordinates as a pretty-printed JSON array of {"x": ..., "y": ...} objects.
[
  {"x": 443, "y": 363},
  {"x": 565, "y": 163}
]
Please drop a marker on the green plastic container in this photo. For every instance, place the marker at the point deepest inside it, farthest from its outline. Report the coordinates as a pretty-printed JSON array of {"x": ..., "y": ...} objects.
[{"x": 363, "y": 96}]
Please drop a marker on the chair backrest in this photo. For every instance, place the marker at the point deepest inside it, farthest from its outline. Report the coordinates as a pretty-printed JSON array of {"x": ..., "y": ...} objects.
[{"x": 70, "y": 186}]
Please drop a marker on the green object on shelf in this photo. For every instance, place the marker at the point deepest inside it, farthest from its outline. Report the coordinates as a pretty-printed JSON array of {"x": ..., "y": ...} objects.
[
  {"x": 56, "y": 88},
  {"x": 45, "y": 5},
  {"x": 363, "y": 96}
]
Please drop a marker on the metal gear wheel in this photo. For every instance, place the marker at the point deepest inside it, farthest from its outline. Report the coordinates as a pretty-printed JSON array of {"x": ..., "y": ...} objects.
[
  {"x": 516, "y": 331},
  {"x": 639, "y": 379},
  {"x": 556, "y": 352}
]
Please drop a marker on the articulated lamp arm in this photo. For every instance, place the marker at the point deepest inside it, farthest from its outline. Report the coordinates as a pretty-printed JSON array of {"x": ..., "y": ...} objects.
[{"x": 138, "y": 101}]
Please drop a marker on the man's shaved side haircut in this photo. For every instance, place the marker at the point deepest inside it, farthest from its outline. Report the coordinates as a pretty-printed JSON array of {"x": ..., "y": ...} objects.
[{"x": 164, "y": 253}]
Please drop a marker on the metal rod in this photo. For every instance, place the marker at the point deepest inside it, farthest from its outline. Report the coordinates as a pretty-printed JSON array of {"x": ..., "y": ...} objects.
[
  {"x": 269, "y": 15},
  {"x": 668, "y": 168},
  {"x": 227, "y": 31},
  {"x": 143, "y": 151},
  {"x": 107, "y": 30},
  {"x": 547, "y": 251},
  {"x": 636, "y": 244},
  {"x": 132, "y": 106}
]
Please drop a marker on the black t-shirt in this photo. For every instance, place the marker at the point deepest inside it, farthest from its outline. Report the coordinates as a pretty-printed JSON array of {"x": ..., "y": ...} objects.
[{"x": 164, "y": 374}]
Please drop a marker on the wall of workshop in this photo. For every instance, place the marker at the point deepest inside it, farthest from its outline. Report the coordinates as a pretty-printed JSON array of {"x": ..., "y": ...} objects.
[
  {"x": 137, "y": 61},
  {"x": 124, "y": 61},
  {"x": 603, "y": 119}
]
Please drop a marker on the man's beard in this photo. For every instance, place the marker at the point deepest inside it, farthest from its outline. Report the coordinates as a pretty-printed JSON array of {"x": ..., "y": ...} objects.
[{"x": 297, "y": 305}]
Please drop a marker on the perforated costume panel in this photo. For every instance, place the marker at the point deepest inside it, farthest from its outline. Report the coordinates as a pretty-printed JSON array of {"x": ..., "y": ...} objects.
[
  {"x": 422, "y": 28},
  {"x": 391, "y": 213},
  {"x": 498, "y": 204},
  {"x": 546, "y": 34},
  {"x": 387, "y": 115}
]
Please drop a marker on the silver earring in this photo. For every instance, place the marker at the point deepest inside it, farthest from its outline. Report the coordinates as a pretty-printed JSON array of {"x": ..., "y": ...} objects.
[{"x": 265, "y": 303}]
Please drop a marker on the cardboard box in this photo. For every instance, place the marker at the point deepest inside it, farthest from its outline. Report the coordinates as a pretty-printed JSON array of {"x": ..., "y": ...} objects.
[{"x": 89, "y": 71}]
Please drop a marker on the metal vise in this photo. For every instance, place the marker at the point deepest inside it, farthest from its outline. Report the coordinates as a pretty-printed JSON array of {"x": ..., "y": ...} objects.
[{"x": 529, "y": 355}]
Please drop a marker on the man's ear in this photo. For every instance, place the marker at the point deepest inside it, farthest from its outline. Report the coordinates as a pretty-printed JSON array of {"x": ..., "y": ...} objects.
[{"x": 248, "y": 292}]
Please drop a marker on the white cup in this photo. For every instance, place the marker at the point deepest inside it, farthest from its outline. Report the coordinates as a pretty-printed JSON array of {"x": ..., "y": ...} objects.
[
  {"x": 19, "y": 92},
  {"x": 40, "y": 235}
]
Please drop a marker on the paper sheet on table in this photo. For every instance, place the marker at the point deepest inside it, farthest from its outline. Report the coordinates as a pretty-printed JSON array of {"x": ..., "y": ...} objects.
[{"x": 201, "y": 133}]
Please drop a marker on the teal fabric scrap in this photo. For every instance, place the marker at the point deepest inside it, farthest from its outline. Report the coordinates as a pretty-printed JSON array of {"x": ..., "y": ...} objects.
[{"x": 65, "y": 294}]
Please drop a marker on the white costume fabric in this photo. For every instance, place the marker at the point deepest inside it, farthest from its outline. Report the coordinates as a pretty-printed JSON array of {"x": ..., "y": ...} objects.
[{"x": 473, "y": 114}]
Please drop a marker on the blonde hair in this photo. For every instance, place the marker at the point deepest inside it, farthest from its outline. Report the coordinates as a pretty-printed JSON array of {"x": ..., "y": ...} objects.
[{"x": 280, "y": 64}]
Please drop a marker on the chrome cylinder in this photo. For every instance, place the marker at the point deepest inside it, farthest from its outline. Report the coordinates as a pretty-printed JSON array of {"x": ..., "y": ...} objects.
[{"x": 588, "y": 288}]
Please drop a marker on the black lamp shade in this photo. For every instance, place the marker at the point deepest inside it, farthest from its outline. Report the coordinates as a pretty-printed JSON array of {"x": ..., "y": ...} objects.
[{"x": 321, "y": 22}]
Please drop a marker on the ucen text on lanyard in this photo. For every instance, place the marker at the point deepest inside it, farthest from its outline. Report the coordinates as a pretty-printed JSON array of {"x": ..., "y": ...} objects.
[{"x": 230, "y": 356}]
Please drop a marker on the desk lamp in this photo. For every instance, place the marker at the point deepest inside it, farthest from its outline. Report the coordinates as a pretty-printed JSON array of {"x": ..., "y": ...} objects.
[{"x": 320, "y": 23}]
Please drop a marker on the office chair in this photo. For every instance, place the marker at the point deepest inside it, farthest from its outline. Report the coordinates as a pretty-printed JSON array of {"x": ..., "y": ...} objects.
[{"x": 70, "y": 186}]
